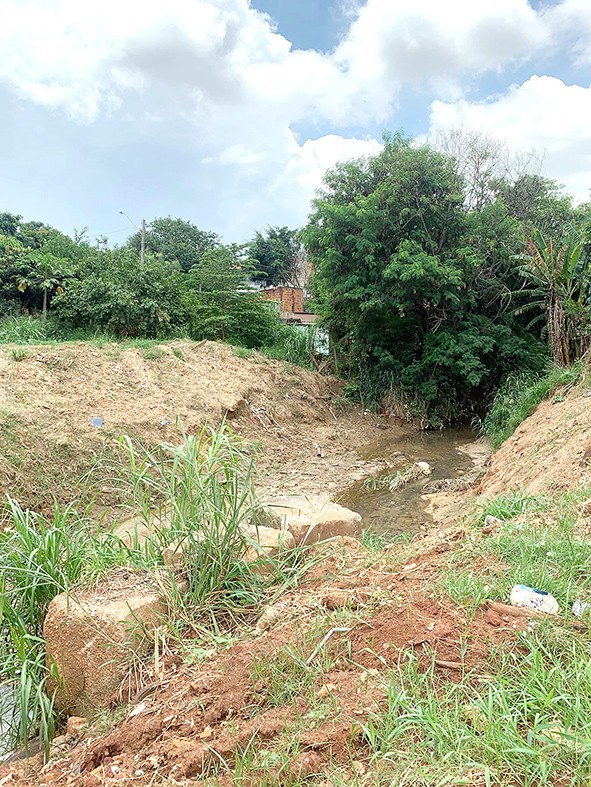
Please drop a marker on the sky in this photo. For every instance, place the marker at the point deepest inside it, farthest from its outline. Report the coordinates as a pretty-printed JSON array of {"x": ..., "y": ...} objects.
[{"x": 227, "y": 113}]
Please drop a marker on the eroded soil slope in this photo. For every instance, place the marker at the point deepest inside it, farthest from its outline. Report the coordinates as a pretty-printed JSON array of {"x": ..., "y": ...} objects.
[
  {"x": 295, "y": 420},
  {"x": 550, "y": 451}
]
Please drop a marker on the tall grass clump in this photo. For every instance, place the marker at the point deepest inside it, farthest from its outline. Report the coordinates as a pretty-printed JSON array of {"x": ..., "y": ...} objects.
[
  {"x": 294, "y": 344},
  {"x": 40, "y": 557},
  {"x": 24, "y": 330},
  {"x": 199, "y": 501},
  {"x": 519, "y": 396}
]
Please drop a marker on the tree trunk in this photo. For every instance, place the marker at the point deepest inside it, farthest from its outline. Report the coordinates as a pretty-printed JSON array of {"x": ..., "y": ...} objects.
[{"x": 44, "y": 303}]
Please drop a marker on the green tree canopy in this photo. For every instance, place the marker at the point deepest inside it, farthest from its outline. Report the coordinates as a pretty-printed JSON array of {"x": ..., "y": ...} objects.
[
  {"x": 176, "y": 240},
  {"x": 277, "y": 255},
  {"x": 222, "y": 306},
  {"x": 399, "y": 275}
]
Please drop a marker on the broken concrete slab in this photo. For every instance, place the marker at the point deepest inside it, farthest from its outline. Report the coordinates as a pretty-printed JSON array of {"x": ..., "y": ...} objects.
[
  {"x": 91, "y": 639},
  {"x": 311, "y": 518}
]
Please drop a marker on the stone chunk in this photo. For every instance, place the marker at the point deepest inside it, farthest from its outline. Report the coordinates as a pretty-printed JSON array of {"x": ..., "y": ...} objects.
[
  {"x": 91, "y": 638},
  {"x": 311, "y": 518},
  {"x": 267, "y": 541}
]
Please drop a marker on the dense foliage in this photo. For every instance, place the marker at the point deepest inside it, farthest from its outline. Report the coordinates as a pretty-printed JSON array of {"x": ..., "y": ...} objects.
[
  {"x": 418, "y": 289},
  {"x": 189, "y": 284},
  {"x": 439, "y": 270}
]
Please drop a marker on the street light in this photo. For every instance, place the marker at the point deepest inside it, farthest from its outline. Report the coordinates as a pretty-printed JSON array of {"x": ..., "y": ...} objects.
[{"x": 142, "y": 233}]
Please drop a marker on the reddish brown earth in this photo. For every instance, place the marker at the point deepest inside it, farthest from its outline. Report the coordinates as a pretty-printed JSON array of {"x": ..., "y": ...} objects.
[
  {"x": 550, "y": 451},
  {"x": 206, "y": 714}
]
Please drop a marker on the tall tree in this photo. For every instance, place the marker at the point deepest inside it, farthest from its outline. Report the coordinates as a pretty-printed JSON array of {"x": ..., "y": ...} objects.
[
  {"x": 398, "y": 277},
  {"x": 279, "y": 257},
  {"x": 176, "y": 240}
]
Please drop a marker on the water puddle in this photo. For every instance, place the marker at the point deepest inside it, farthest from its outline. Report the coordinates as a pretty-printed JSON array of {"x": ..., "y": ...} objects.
[{"x": 404, "y": 511}]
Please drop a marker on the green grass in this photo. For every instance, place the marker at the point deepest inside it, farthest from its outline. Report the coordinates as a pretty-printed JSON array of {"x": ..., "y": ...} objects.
[
  {"x": 200, "y": 500},
  {"x": 524, "y": 717},
  {"x": 204, "y": 493},
  {"x": 294, "y": 345},
  {"x": 24, "y": 330},
  {"x": 40, "y": 556},
  {"x": 518, "y": 398}
]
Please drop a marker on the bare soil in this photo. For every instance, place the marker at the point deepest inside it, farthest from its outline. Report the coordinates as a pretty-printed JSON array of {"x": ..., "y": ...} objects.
[
  {"x": 296, "y": 421},
  {"x": 550, "y": 451}
]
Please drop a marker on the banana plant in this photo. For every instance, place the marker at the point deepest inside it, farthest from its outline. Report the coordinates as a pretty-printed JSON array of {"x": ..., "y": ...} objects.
[{"x": 559, "y": 279}]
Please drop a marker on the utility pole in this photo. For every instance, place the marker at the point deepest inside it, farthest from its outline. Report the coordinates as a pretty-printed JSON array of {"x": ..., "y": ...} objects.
[
  {"x": 142, "y": 232},
  {"x": 143, "y": 242}
]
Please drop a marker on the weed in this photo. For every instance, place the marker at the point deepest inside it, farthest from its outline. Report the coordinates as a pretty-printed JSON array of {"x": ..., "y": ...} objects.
[
  {"x": 178, "y": 353},
  {"x": 153, "y": 353},
  {"x": 242, "y": 352},
  {"x": 39, "y": 558},
  {"x": 279, "y": 679},
  {"x": 519, "y": 397},
  {"x": 24, "y": 330},
  {"x": 294, "y": 344},
  {"x": 377, "y": 542},
  {"x": 18, "y": 354}
]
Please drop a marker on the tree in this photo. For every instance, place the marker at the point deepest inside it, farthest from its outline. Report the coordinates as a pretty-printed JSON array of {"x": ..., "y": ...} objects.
[
  {"x": 45, "y": 272},
  {"x": 279, "y": 257},
  {"x": 397, "y": 276},
  {"x": 176, "y": 240},
  {"x": 221, "y": 305},
  {"x": 482, "y": 162}
]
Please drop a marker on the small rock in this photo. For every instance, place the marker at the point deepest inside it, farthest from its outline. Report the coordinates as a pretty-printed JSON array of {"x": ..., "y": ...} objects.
[
  {"x": 269, "y": 617},
  {"x": 76, "y": 725},
  {"x": 325, "y": 691},
  {"x": 305, "y": 764},
  {"x": 345, "y": 599}
]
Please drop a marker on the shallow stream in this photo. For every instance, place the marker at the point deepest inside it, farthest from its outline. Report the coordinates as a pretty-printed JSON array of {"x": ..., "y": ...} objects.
[{"x": 404, "y": 511}]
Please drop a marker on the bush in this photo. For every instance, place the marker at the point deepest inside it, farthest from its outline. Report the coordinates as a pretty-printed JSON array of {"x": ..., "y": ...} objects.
[{"x": 122, "y": 298}]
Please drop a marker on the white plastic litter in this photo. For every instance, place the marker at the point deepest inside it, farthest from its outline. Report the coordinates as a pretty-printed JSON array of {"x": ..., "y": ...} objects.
[
  {"x": 579, "y": 607},
  {"x": 532, "y": 598}
]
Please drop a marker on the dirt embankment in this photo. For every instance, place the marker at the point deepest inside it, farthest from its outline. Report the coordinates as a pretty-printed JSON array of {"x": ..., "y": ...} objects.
[
  {"x": 550, "y": 451},
  {"x": 296, "y": 421},
  {"x": 232, "y": 716}
]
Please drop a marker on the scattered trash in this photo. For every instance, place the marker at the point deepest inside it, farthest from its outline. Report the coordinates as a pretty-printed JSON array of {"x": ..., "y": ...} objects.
[
  {"x": 580, "y": 606},
  {"x": 96, "y": 421},
  {"x": 532, "y": 598},
  {"x": 165, "y": 422}
]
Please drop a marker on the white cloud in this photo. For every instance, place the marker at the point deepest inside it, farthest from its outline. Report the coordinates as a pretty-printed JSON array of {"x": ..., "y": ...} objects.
[
  {"x": 544, "y": 114},
  {"x": 219, "y": 70},
  {"x": 570, "y": 22},
  {"x": 413, "y": 40}
]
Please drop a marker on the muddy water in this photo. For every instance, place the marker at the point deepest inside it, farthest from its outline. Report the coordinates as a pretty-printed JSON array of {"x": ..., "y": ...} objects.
[{"x": 404, "y": 511}]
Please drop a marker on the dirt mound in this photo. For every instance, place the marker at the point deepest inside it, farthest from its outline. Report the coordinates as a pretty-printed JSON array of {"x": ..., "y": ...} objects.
[
  {"x": 50, "y": 395},
  {"x": 549, "y": 451}
]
